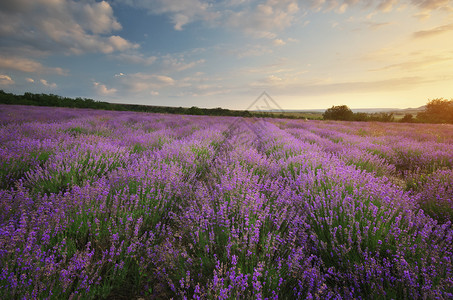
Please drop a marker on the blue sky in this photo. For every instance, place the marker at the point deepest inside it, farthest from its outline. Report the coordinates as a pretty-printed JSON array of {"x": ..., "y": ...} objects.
[{"x": 305, "y": 54}]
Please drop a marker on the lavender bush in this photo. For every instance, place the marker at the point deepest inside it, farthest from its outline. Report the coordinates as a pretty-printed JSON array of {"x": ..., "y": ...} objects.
[{"x": 98, "y": 204}]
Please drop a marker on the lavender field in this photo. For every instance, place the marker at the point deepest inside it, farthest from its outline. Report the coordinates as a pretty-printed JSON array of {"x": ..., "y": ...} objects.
[{"x": 100, "y": 204}]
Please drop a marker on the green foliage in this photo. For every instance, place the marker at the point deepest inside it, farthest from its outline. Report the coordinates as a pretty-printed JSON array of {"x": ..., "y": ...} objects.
[
  {"x": 13, "y": 169},
  {"x": 381, "y": 117},
  {"x": 341, "y": 112},
  {"x": 361, "y": 117},
  {"x": 408, "y": 118},
  {"x": 437, "y": 111},
  {"x": 55, "y": 100}
]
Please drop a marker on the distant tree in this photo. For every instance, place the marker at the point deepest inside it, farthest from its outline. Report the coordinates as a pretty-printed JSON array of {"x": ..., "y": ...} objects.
[
  {"x": 408, "y": 118},
  {"x": 437, "y": 111},
  {"x": 382, "y": 117},
  {"x": 194, "y": 111},
  {"x": 362, "y": 117},
  {"x": 341, "y": 112}
]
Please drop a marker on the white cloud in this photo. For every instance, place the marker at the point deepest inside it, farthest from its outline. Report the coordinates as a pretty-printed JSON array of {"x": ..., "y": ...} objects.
[
  {"x": 433, "y": 31},
  {"x": 256, "y": 19},
  {"x": 30, "y": 80},
  {"x": 177, "y": 64},
  {"x": 48, "y": 84},
  {"x": 418, "y": 63},
  {"x": 98, "y": 17},
  {"x": 5, "y": 80},
  {"x": 180, "y": 13},
  {"x": 27, "y": 65},
  {"x": 432, "y": 4},
  {"x": 302, "y": 86},
  {"x": 142, "y": 82},
  {"x": 101, "y": 89},
  {"x": 70, "y": 27},
  {"x": 250, "y": 51},
  {"x": 387, "y": 5},
  {"x": 135, "y": 58},
  {"x": 263, "y": 20},
  {"x": 340, "y": 6},
  {"x": 279, "y": 42}
]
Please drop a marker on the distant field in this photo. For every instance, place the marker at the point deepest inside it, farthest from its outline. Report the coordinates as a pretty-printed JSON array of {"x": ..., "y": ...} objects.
[
  {"x": 398, "y": 115},
  {"x": 303, "y": 115},
  {"x": 103, "y": 204}
]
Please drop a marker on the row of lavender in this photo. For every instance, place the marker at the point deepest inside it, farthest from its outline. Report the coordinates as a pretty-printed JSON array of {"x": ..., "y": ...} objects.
[
  {"x": 98, "y": 204},
  {"x": 419, "y": 158}
]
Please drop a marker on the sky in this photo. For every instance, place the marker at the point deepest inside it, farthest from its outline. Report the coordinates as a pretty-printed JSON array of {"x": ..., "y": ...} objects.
[{"x": 309, "y": 54}]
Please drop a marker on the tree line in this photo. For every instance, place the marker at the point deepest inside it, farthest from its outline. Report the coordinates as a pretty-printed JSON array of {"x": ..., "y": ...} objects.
[
  {"x": 435, "y": 111},
  {"x": 59, "y": 101}
]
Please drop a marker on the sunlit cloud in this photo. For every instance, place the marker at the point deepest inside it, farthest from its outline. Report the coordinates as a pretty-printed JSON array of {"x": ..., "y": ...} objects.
[
  {"x": 302, "y": 86},
  {"x": 387, "y": 5},
  {"x": 28, "y": 66},
  {"x": 5, "y": 80},
  {"x": 255, "y": 50},
  {"x": 377, "y": 25},
  {"x": 265, "y": 19},
  {"x": 178, "y": 64},
  {"x": 418, "y": 64},
  {"x": 180, "y": 13},
  {"x": 70, "y": 27},
  {"x": 279, "y": 42},
  {"x": 432, "y": 4},
  {"x": 101, "y": 89},
  {"x": 141, "y": 82},
  {"x": 47, "y": 84},
  {"x": 135, "y": 58},
  {"x": 167, "y": 50},
  {"x": 433, "y": 31}
]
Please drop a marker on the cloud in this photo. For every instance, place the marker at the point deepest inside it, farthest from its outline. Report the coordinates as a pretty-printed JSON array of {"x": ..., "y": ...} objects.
[
  {"x": 433, "y": 31},
  {"x": 117, "y": 43},
  {"x": 387, "y": 5},
  {"x": 264, "y": 19},
  {"x": 180, "y": 13},
  {"x": 251, "y": 50},
  {"x": 279, "y": 42},
  {"x": 393, "y": 84},
  {"x": 340, "y": 6},
  {"x": 432, "y": 4},
  {"x": 376, "y": 25},
  {"x": 28, "y": 66},
  {"x": 98, "y": 17},
  {"x": 289, "y": 84},
  {"x": 253, "y": 18},
  {"x": 135, "y": 58},
  {"x": 101, "y": 89},
  {"x": 5, "y": 80},
  {"x": 417, "y": 64},
  {"x": 364, "y": 86},
  {"x": 178, "y": 64},
  {"x": 69, "y": 27},
  {"x": 48, "y": 84},
  {"x": 142, "y": 82},
  {"x": 30, "y": 80}
]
